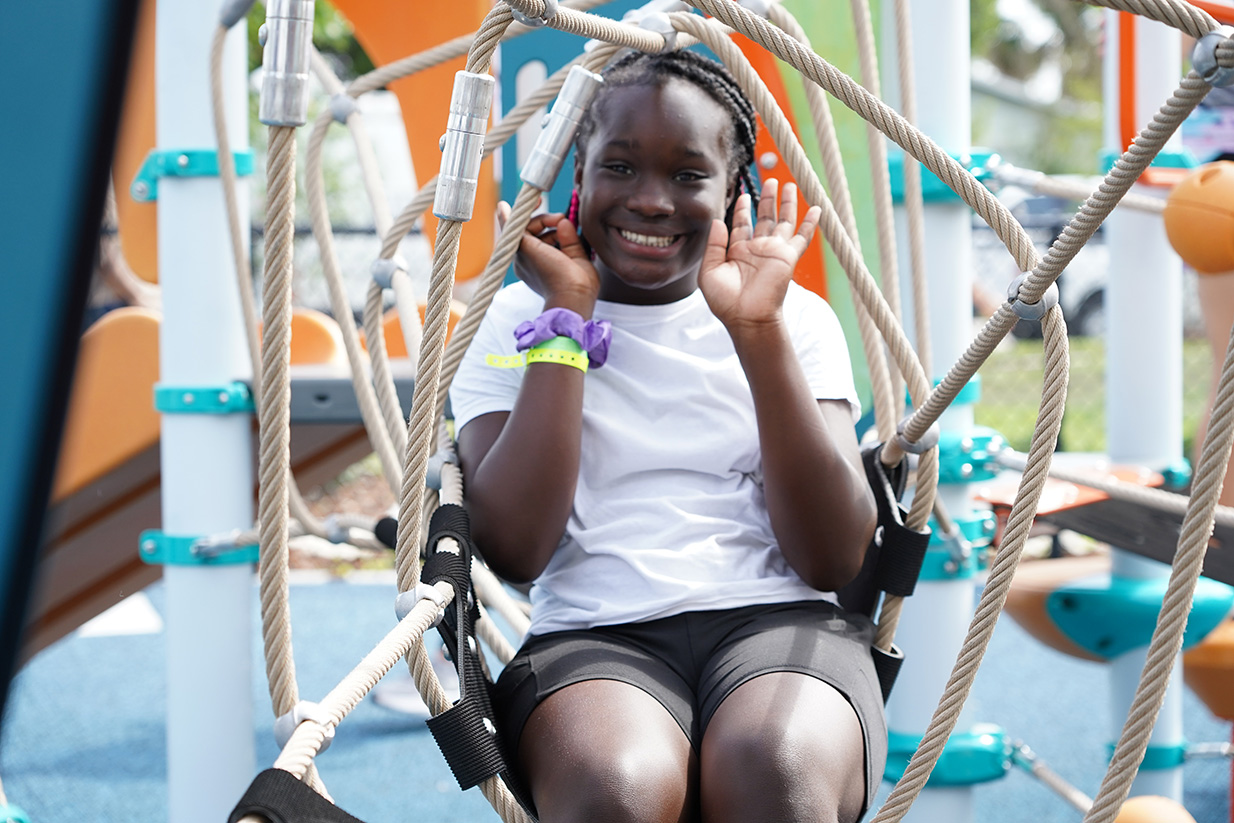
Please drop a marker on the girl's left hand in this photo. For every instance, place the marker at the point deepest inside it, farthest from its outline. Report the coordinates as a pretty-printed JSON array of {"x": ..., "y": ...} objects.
[{"x": 745, "y": 277}]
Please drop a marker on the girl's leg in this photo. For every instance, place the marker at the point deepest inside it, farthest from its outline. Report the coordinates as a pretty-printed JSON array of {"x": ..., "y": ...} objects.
[
  {"x": 603, "y": 750},
  {"x": 783, "y": 747}
]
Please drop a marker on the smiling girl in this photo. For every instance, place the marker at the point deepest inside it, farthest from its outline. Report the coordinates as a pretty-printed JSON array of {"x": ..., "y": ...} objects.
[{"x": 676, "y": 470}]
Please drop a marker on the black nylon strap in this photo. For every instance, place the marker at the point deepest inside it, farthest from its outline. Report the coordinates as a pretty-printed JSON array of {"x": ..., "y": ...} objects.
[
  {"x": 901, "y": 550},
  {"x": 887, "y": 666},
  {"x": 470, "y": 748},
  {"x": 280, "y": 798}
]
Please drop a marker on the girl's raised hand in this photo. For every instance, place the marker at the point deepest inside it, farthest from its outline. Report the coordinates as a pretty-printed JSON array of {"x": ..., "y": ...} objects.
[
  {"x": 745, "y": 277},
  {"x": 554, "y": 262}
]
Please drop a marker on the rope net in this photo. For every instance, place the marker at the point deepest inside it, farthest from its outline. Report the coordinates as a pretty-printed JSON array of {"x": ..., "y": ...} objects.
[{"x": 406, "y": 443}]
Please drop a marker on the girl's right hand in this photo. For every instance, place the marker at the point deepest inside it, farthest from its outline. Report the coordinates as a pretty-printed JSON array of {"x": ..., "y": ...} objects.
[{"x": 553, "y": 261}]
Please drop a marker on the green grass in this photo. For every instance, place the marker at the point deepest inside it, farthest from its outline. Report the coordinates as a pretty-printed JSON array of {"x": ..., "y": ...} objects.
[{"x": 1011, "y": 392}]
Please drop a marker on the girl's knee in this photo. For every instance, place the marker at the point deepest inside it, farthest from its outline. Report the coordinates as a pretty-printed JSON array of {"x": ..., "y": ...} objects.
[{"x": 617, "y": 787}]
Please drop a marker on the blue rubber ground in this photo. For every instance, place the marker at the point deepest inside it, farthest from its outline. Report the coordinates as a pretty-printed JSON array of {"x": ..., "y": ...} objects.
[{"x": 84, "y": 736}]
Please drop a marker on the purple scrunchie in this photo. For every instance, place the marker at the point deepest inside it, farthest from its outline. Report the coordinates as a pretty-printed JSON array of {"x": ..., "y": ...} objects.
[{"x": 593, "y": 336}]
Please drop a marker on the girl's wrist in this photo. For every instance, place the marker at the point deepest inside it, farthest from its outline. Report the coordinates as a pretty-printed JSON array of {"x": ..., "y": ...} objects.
[
  {"x": 579, "y": 301},
  {"x": 751, "y": 334}
]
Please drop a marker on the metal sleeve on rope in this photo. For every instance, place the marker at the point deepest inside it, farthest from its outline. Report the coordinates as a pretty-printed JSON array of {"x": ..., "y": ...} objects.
[
  {"x": 1204, "y": 57},
  {"x": 383, "y": 270},
  {"x": 1031, "y": 311},
  {"x": 304, "y": 710},
  {"x": 462, "y": 148},
  {"x": 550, "y": 11},
  {"x": 287, "y": 40},
  {"x": 557, "y": 134},
  {"x": 927, "y": 441}
]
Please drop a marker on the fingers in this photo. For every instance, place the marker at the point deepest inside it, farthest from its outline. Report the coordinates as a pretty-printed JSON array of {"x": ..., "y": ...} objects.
[
  {"x": 503, "y": 214},
  {"x": 801, "y": 240},
  {"x": 743, "y": 224},
  {"x": 716, "y": 252},
  {"x": 777, "y": 210},
  {"x": 767, "y": 208}
]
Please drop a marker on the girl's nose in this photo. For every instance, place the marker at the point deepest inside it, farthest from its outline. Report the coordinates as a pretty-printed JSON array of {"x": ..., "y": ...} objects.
[{"x": 650, "y": 198}]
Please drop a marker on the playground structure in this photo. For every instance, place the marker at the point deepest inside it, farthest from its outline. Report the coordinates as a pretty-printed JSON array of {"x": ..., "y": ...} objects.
[{"x": 385, "y": 415}]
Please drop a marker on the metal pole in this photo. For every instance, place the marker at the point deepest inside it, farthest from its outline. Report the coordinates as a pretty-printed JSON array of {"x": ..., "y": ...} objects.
[{"x": 207, "y": 477}]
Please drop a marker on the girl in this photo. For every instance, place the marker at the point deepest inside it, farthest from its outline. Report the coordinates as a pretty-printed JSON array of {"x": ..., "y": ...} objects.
[{"x": 675, "y": 468}]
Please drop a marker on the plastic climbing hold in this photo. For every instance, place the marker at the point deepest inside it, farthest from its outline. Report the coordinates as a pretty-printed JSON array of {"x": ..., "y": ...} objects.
[
  {"x": 1199, "y": 218},
  {"x": 1150, "y": 808}
]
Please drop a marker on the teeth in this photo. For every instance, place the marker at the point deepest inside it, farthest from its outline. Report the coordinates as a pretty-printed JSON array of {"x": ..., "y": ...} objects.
[{"x": 646, "y": 240}]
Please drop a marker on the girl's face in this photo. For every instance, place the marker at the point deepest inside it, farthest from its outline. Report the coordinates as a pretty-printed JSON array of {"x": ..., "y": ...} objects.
[{"x": 655, "y": 174}]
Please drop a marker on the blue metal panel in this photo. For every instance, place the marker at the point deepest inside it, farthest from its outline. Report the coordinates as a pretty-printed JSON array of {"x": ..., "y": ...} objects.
[{"x": 57, "y": 148}]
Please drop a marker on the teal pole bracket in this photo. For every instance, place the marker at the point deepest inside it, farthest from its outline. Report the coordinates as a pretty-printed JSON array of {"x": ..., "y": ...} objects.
[
  {"x": 958, "y": 556},
  {"x": 1157, "y": 757},
  {"x": 233, "y": 398},
  {"x": 934, "y": 190},
  {"x": 1109, "y": 616},
  {"x": 13, "y": 814},
  {"x": 159, "y": 549},
  {"x": 979, "y": 755},
  {"x": 1177, "y": 475},
  {"x": 970, "y": 457},
  {"x": 970, "y": 395},
  {"x": 182, "y": 163}
]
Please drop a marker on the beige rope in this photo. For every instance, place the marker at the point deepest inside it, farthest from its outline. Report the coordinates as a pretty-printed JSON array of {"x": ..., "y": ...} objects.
[
  {"x": 1043, "y": 183},
  {"x": 1082, "y": 226},
  {"x": 913, "y": 198},
  {"x": 886, "y": 400},
  {"x": 1185, "y": 17},
  {"x": 1168, "y": 635},
  {"x": 1045, "y": 435}
]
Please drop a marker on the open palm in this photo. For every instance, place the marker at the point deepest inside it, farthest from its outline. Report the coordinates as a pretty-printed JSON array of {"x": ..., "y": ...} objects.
[{"x": 745, "y": 276}]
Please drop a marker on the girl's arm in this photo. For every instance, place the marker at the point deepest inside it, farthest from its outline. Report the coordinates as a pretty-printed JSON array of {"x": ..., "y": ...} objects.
[
  {"x": 520, "y": 467},
  {"x": 821, "y": 508}
]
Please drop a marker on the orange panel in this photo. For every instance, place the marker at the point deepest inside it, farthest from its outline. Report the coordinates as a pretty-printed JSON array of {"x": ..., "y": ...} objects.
[
  {"x": 1208, "y": 669},
  {"x": 314, "y": 338},
  {"x": 393, "y": 329},
  {"x": 138, "y": 221},
  {"x": 390, "y": 30},
  {"x": 111, "y": 416}
]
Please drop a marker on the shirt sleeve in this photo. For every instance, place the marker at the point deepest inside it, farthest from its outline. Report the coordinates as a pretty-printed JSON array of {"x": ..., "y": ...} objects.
[
  {"x": 486, "y": 383},
  {"x": 819, "y": 341}
]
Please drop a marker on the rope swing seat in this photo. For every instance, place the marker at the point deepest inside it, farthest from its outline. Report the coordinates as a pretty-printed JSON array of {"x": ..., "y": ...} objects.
[{"x": 455, "y": 589}]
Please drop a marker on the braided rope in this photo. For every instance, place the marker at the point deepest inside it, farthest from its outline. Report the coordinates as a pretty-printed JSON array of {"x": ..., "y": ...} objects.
[
  {"x": 1185, "y": 17},
  {"x": 989, "y": 607},
  {"x": 886, "y": 400}
]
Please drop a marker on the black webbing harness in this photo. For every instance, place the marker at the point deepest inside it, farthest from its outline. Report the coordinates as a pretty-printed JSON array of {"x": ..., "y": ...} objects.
[{"x": 467, "y": 733}]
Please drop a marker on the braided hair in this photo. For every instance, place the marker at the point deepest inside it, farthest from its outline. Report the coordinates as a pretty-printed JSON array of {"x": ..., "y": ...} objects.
[{"x": 643, "y": 69}]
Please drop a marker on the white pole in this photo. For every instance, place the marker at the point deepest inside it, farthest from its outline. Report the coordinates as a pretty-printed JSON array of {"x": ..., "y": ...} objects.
[
  {"x": 207, "y": 476},
  {"x": 937, "y": 616},
  {"x": 1143, "y": 358}
]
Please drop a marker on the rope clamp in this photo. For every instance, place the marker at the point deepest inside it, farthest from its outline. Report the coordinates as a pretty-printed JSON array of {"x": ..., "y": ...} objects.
[
  {"x": 336, "y": 531},
  {"x": 1204, "y": 57},
  {"x": 383, "y": 270},
  {"x": 659, "y": 23},
  {"x": 160, "y": 549},
  {"x": 1031, "y": 311},
  {"x": 551, "y": 8},
  {"x": 462, "y": 148},
  {"x": 557, "y": 133},
  {"x": 287, "y": 41},
  {"x": 435, "y": 464},
  {"x": 927, "y": 441},
  {"x": 343, "y": 106},
  {"x": 182, "y": 163},
  {"x": 958, "y": 547},
  {"x": 305, "y": 710},
  {"x": 408, "y": 600},
  {"x": 233, "y": 12}
]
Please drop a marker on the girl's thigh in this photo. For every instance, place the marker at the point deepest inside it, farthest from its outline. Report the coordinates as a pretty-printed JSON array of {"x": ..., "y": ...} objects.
[
  {"x": 604, "y": 750},
  {"x": 783, "y": 746}
]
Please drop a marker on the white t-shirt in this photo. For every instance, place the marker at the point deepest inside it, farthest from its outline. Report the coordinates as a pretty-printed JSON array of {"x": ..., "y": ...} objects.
[{"x": 668, "y": 512}]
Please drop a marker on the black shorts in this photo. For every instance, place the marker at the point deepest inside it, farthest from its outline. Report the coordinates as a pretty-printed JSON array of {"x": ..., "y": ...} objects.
[{"x": 690, "y": 662}]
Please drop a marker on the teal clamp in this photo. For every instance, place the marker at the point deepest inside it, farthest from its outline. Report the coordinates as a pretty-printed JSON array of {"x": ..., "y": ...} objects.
[
  {"x": 234, "y": 398},
  {"x": 1176, "y": 477},
  {"x": 13, "y": 814},
  {"x": 980, "y": 755},
  {"x": 958, "y": 557},
  {"x": 1157, "y": 758},
  {"x": 182, "y": 163},
  {"x": 159, "y": 549},
  {"x": 970, "y": 457},
  {"x": 1109, "y": 616},
  {"x": 1165, "y": 159},
  {"x": 934, "y": 190}
]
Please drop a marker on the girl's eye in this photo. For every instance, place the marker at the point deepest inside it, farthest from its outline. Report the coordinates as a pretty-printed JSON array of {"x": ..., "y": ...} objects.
[
  {"x": 690, "y": 176},
  {"x": 617, "y": 168}
]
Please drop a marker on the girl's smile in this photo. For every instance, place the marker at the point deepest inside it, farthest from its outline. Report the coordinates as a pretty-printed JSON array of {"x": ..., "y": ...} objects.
[{"x": 653, "y": 176}]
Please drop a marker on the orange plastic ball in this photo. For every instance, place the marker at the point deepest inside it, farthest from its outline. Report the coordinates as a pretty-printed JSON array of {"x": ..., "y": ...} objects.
[
  {"x": 1152, "y": 809},
  {"x": 1199, "y": 218}
]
